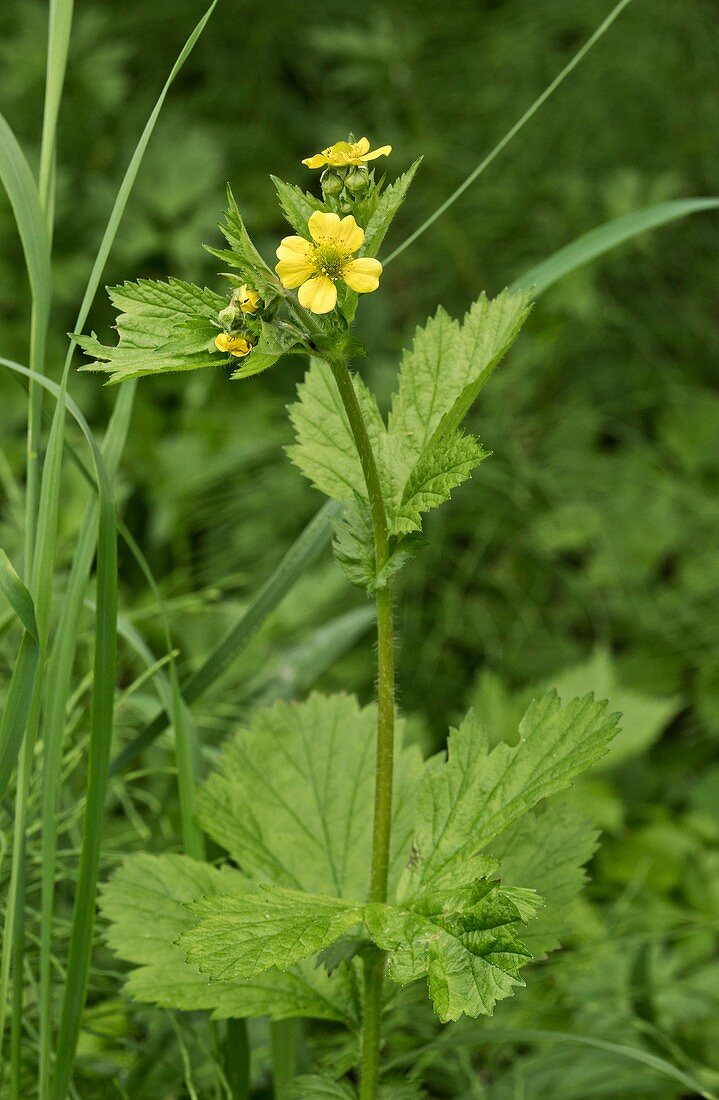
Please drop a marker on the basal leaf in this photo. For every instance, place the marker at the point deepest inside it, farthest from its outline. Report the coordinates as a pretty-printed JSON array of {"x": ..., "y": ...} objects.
[
  {"x": 546, "y": 850},
  {"x": 468, "y": 802},
  {"x": 464, "y": 941},
  {"x": 292, "y": 799},
  {"x": 146, "y": 903},
  {"x": 241, "y": 935}
]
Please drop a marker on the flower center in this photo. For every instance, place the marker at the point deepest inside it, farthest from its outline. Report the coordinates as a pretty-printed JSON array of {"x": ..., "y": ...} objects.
[{"x": 328, "y": 260}]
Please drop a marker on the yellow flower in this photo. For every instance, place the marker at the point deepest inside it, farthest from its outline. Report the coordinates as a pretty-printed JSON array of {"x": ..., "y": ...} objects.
[
  {"x": 315, "y": 266},
  {"x": 234, "y": 345},
  {"x": 247, "y": 299},
  {"x": 343, "y": 153}
]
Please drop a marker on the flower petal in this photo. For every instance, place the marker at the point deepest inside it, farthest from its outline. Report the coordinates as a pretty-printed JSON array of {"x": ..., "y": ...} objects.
[
  {"x": 323, "y": 226},
  {"x": 350, "y": 236},
  {"x": 362, "y": 275},
  {"x": 316, "y": 161},
  {"x": 233, "y": 345},
  {"x": 318, "y": 295},
  {"x": 292, "y": 246},
  {"x": 361, "y": 147},
  {"x": 293, "y": 271},
  {"x": 383, "y": 151}
]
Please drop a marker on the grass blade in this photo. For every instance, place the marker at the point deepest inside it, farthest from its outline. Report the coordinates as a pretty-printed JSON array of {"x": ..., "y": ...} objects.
[
  {"x": 528, "y": 114},
  {"x": 606, "y": 237},
  {"x": 301, "y": 555},
  {"x": 25, "y": 201},
  {"x": 58, "y": 42},
  {"x": 621, "y": 1050}
]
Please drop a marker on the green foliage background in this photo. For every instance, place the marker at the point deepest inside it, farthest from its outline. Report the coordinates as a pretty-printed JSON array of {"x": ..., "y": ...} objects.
[{"x": 584, "y": 553}]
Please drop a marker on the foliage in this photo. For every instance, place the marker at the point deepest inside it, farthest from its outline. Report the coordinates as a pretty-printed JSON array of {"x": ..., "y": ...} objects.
[{"x": 591, "y": 526}]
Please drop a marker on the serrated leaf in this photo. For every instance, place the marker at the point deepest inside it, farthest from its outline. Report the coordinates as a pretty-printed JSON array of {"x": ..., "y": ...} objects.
[
  {"x": 242, "y": 254},
  {"x": 546, "y": 850},
  {"x": 354, "y": 549},
  {"x": 389, "y": 203},
  {"x": 444, "y": 370},
  {"x": 146, "y": 904},
  {"x": 163, "y": 326},
  {"x": 241, "y": 935},
  {"x": 325, "y": 450},
  {"x": 274, "y": 342},
  {"x": 464, "y": 941},
  {"x": 292, "y": 799},
  {"x": 467, "y": 802},
  {"x": 297, "y": 205},
  {"x": 442, "y": 467},
  {"x": 313, "y": 1087},
  {"x": 342, "y": 952}
]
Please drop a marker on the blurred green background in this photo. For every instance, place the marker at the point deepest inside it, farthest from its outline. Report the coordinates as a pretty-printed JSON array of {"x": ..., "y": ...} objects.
[{"x": 584, "y": 553}]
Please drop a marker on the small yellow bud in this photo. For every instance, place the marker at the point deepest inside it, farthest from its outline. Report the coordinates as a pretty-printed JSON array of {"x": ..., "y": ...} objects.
[
  {"x": 247, "y": 298},
  {"x": 233, "y": 345}
]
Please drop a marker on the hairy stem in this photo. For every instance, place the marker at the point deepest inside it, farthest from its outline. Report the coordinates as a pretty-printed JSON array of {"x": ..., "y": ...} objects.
[{"x": 375, "y": 965}]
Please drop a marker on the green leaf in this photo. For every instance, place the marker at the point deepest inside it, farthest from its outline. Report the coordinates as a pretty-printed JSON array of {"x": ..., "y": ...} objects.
[
  {"x": 389, "y": 203},
  {"x": 163, "y": 326},
  {"x": 446, "y": 367},
  {"x": 546, "y": 850},
  {"x": 274, "y": 342},
  {"x": 146, "y": 903},
  {"x": 464, "y": 941},
  {"x": 478, "y": 793},
  {"x": 297, "y": 205},
  {"x": 442, "y": 467},
  {"x": 242, "y": 254},
  {"x": 312, "y": 1087},
  {"x": 241, "y": 935},
  {"x": 17, "y": 595},
  {"x": 325, "y": 450},
  {"x": 354, "y": 549},
  {"x": 292, "y": 799}
]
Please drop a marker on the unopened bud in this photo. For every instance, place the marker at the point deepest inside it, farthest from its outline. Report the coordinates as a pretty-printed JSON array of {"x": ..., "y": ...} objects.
[
  {"x": 332, "y": 183},
  {"x": 228, "y": 316},
  {"x": 357, "y": 180}
]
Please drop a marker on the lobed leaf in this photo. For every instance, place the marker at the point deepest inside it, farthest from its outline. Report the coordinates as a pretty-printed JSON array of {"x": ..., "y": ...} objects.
[
  {"x": 464, "y": 941},
  {"x": 146, "y": 903},
  {"x": 163, "y": 326},
  {"x": 292, "y": 799},
  {"x": 442, "y": 467},
  {"x": 241, "y": 935},
  {"x": 469, "y": 801},
  {"x": 297, "y": 205}
]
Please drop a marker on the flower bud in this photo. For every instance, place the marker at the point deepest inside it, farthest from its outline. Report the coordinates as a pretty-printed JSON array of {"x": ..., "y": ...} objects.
[
  {"x": 332, "y": 183},
  {"x": 228, "y": 316},
  {"x": 357, "y": 180}
]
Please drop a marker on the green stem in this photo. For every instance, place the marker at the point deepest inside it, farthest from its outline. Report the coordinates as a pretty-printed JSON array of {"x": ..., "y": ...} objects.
[
  {"x": 375, "y": 965},
  {"x": 284, "y": 1041}
]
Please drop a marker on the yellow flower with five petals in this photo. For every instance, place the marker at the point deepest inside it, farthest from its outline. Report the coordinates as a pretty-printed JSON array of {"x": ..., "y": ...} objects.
[
  {"x": 344, "y": 153},
  {"x": 233, "y": 345},
  {"x": 315, "y": 266}
]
